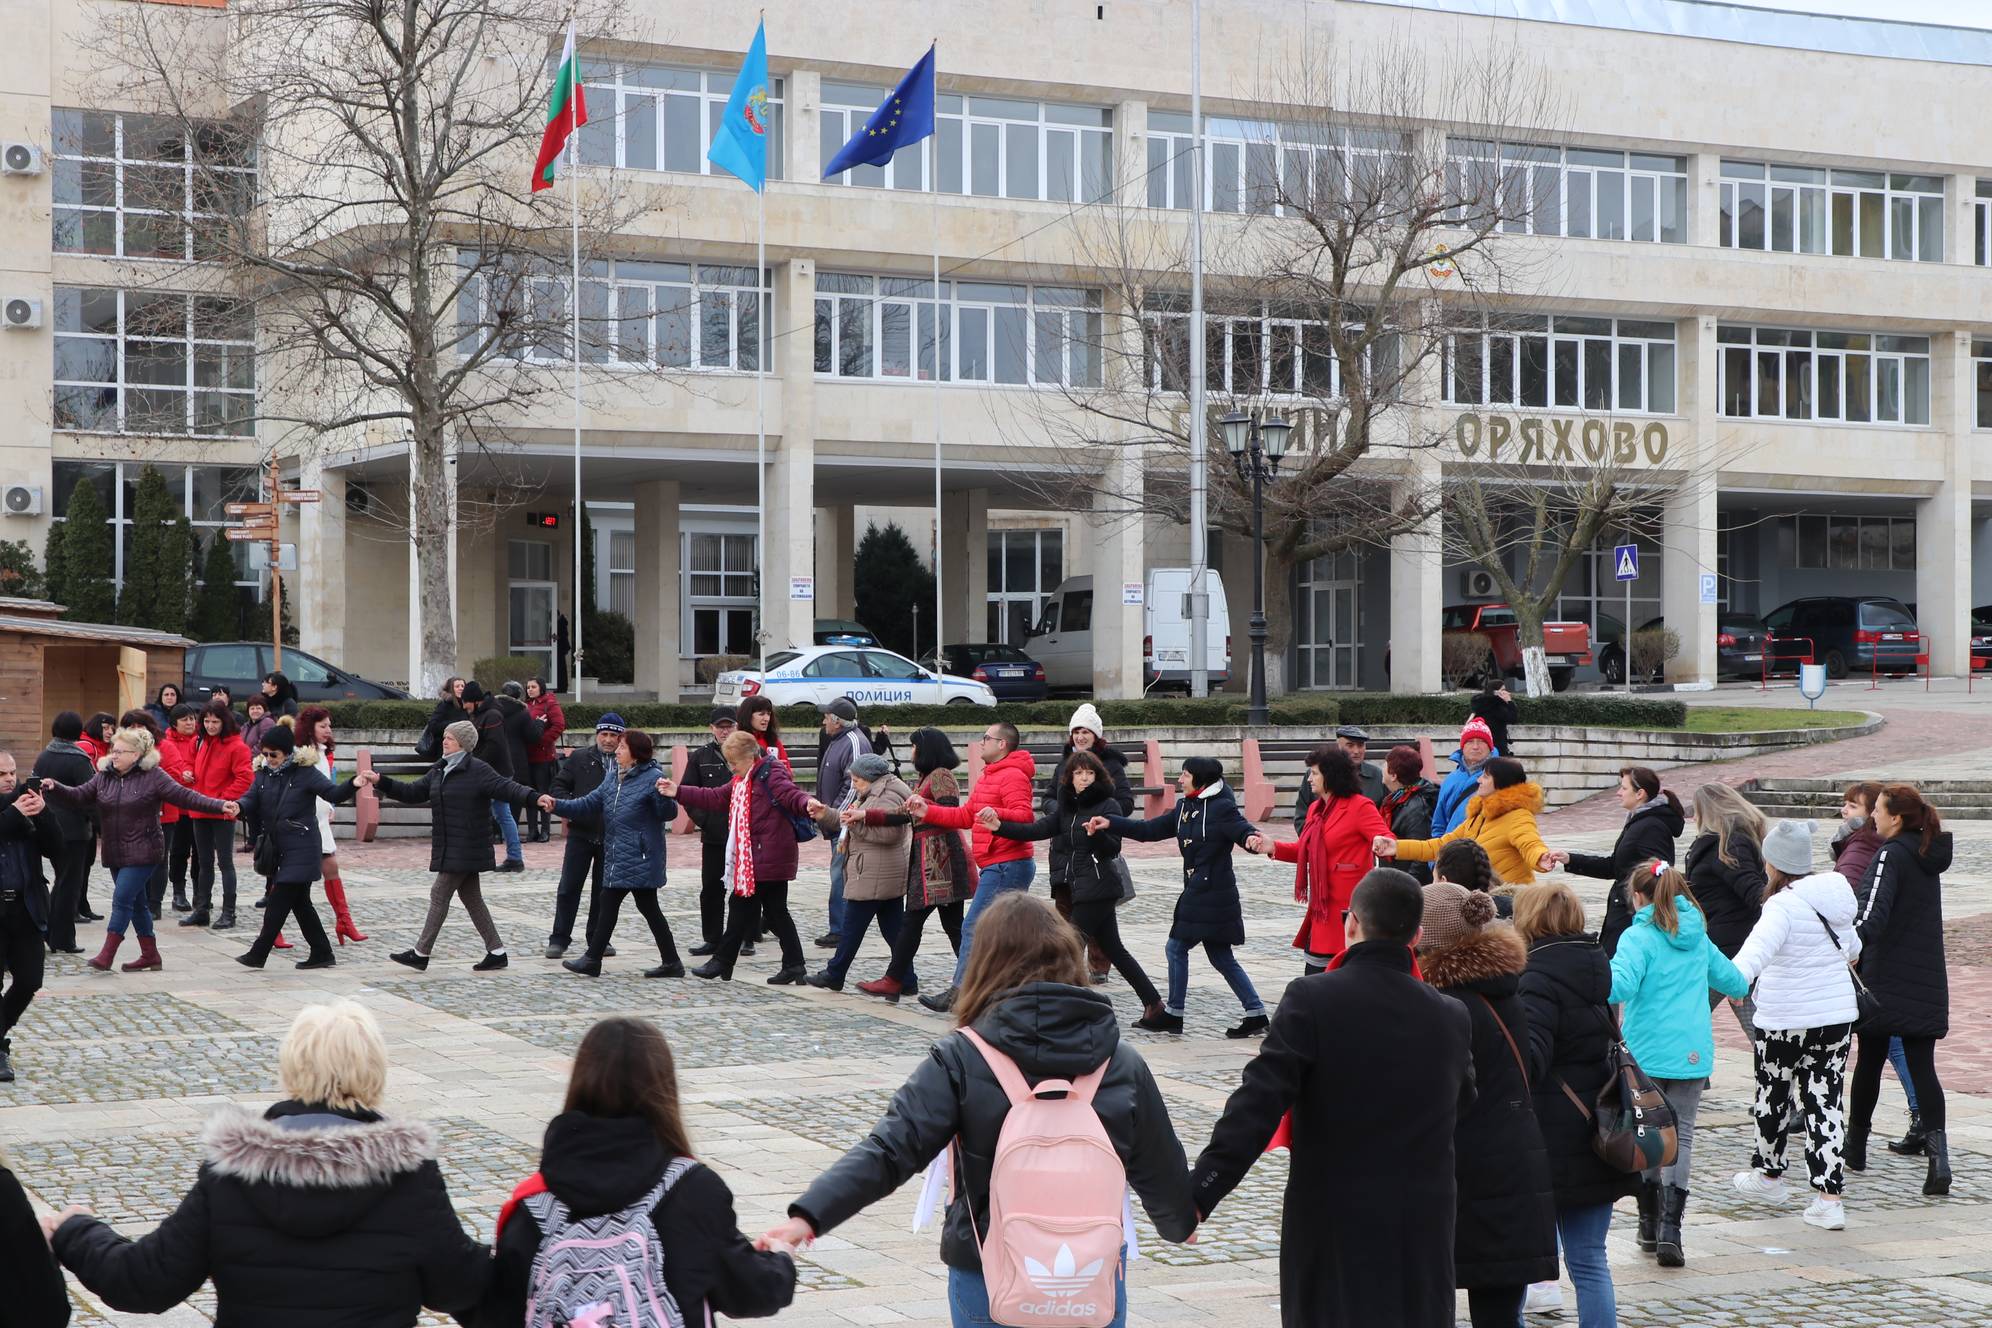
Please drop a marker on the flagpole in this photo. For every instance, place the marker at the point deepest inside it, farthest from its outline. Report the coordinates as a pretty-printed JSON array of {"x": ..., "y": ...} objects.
[
  {"x": 574, "y": 310},
  {"x": 940, "y": 310},
  {"x": 1199, "y": 452},
  {"x": 760, "y": 419}
]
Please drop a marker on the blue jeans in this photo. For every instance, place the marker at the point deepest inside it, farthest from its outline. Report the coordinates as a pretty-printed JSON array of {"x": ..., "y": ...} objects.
[
  {"x": 968, "y": 1295},
  {"x": 997, "y": 879},
  {"x": 1223, "y": 961},
  {"x": 838, "y": 860},
  {"x": 1581, "y": 1232},
  {"x": 128, "y": 903},
  {"x": 508, "y": 826},
  {"x": 859, "y": 913},
  {"x": 1901, "y": 1064}
]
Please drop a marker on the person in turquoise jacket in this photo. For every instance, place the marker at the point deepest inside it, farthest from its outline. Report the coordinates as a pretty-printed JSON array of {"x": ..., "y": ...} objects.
[
  {"x": 1662, "y": 974},
  {"x": 1476, "y": 748}
]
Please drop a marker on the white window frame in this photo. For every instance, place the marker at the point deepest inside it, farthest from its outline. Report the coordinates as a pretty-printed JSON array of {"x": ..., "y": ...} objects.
[
  {"x": 1002, "y": 594},
  {"x": 1825, "y": 360},
  {"x": 120, "y": 207},
  {"x": 1920, "y": 196},
  {"x": 1163, "y": 324},
  {"x": 1507, "y": 338},
  {"x": 249, "y": 488},
  {"x": 1255, "y": 163},
  {"x": 621, "y": 307},
  {"x": 1981, "y": 378},
  {"x": 868, "y": 302},
  {"x": 737, "y": 584},
  {"x": 1068, "y": 128},
  {"x": 222, "y": 355},
  {"x": 618, "y": 97},
  {"x": 1981, "y": 224},
  {"x": 1541, "y": 183}
]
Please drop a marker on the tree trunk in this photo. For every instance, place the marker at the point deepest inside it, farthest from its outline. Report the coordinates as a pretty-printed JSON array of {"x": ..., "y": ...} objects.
[
  {"x": 1279, "y": 624},
  {"x": 1528, "y": 634},
  {"x": 434, "y": 516}
]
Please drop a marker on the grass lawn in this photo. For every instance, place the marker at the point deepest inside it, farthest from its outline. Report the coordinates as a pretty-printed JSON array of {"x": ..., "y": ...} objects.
[{"x": 1752, "y": 719}]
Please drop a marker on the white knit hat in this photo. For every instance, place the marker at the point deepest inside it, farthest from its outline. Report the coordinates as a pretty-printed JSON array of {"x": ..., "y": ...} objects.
[{"x": 1085, "y": 717}]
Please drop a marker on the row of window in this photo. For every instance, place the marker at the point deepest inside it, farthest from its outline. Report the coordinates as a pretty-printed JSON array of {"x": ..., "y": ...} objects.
[
  {"x": 134, "y": 186},
  {"x": 1563, "y": 363},
  {"x": 989, "y": 147},
  {"x": 1582, "y": 192},
  {"x": 1812, "y": 210},
  {"x": 1851, "y": 543},
  {"x": 203, "y": 491},
  {"x": 674, "y": 315},
  {"x": 1262, "y": 350},
  {"x": 892, "y": 328},
  {"x": 1272, "y": 169},
  {"x": 153, "y": 362},
  {"x": 1850, "y": 377}
]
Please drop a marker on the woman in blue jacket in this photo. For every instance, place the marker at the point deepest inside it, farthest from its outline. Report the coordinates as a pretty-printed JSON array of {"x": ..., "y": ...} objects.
[
  {"x": 1662, "y": 972},
  {"x": 633, "y": 814}
]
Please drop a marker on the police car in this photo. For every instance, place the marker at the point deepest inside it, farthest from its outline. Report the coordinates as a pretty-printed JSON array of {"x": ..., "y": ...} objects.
[{"x": 868, "y": 675}]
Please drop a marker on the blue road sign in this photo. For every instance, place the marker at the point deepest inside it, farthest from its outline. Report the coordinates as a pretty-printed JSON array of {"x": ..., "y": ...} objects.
[{"x": 1625, "y": 562}]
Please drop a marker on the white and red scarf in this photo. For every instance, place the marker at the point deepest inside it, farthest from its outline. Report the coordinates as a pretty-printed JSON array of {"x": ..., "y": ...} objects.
[{"x": 740, "y": 829}]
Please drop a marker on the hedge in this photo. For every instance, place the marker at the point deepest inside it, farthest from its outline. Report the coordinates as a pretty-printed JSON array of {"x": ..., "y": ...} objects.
[{"x": 1310, "y": 711}]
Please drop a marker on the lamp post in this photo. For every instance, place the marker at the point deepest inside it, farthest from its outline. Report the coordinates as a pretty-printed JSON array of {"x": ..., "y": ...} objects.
[{"x": 1256, "y": 447}]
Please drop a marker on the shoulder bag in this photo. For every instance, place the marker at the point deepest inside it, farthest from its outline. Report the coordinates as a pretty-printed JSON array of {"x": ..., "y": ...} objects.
[
  {"x": 1632, "y": 1124},
  {"x": 1866, "y": 1003}
]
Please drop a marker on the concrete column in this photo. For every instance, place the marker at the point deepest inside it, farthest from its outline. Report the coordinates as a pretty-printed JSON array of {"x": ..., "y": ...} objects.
[
  {"x": 1960, "y": 238},
  {"x": 1688, "y": 513},
  {"x": 1119, "y": 556},
  {"x": 965, "y": 565},
  {"x": 802, "y": 97},
  {"x": 791, "y": 479},
  {"x": 321, "y": 561},
  {"x": 1131, "y": 147},
  {"x": 1417, "y": 589},
  {"x": 1705, "y": 199},
  {"x": 1943, "y": 520},
  {"x": 836, "y": 553},
  {"x": 659, "y": 588}
]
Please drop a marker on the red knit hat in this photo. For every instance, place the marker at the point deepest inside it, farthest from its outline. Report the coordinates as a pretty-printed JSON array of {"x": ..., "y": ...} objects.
[{"x": 1476, "y": 728}]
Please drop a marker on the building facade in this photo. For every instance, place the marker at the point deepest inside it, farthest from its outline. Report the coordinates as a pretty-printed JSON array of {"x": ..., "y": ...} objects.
[{"x": 1759, "y": 286}]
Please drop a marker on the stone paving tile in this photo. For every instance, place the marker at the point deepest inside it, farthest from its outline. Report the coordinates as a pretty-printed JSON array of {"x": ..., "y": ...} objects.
[
  {"x": 1875, "y": 1304},
  {"x": 130, "y": 1069},
  {"x": 106, "y": 1014},
  {"x": 1889, "y": 1183}
]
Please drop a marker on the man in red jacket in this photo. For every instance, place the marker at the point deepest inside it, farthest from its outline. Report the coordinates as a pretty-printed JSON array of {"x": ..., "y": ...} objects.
[{"x": 1004, "y": 864}]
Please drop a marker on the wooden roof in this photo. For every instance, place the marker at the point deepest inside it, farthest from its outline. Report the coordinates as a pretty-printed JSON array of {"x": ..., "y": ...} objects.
[{"x": 108, "y": 633}]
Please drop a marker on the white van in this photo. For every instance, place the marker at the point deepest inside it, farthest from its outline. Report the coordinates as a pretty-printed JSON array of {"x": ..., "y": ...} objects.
[{"x": 1062, "y": 639}]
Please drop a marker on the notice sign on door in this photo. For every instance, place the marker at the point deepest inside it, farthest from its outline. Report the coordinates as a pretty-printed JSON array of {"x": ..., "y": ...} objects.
[
  {"x": 1130, "y": 593},
  {"x": 802, "y": 587}
]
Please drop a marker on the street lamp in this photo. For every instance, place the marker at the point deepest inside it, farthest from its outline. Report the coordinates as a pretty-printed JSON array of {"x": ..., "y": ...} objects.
[{"x": 1256, "y": 448}]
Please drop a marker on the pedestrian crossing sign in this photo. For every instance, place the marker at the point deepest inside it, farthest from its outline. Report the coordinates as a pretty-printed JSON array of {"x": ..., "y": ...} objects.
[{"x": 1625, "y": 561}]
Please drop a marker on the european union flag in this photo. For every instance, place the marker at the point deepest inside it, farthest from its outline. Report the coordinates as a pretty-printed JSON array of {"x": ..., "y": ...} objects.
[{"x": 907, "y": 116}]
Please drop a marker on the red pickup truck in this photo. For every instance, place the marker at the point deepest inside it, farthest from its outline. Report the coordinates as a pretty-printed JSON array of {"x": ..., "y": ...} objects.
[{"x": 1567, "y": 644}]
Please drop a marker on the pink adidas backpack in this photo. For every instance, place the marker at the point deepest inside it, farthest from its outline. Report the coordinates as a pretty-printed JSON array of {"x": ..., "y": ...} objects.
[{"x": 1056, "y": 1186}]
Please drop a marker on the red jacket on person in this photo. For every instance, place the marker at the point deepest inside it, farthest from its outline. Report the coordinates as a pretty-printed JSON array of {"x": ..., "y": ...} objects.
[
  {"x": 1333, "y": 853},
  {"x": 1005, "y": 785},
  {"x": 222, "y": 769},
  {"x": 546, "y": 709},
  {"x": 176, "y": 757}
]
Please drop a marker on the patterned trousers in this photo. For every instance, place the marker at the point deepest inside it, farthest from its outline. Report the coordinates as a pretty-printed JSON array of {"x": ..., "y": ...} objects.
[{"x": 1802, "y": 1071}]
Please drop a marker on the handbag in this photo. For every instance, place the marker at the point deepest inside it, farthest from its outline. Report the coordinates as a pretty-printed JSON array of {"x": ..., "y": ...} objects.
[
  {"x": 1867, "y": 1005},
  {"x": 1632, "y": 1125},
  {"x": 267, "y": 857},
  {"x": 801, "y": 827},
  {"x": 1126, "y": 880}
]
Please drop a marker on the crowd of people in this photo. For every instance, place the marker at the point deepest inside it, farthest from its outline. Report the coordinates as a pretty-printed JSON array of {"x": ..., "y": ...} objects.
[{"x": 1431, "y": 915}]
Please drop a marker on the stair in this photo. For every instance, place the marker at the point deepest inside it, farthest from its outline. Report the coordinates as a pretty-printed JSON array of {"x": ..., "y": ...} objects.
[{"x": 1819, "y": 799}]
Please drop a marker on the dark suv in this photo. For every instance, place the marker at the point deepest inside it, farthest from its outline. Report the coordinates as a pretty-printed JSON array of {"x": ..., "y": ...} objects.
[
  {"x": 1849, "y": 634},
  {"x": 240, "y": 665}
]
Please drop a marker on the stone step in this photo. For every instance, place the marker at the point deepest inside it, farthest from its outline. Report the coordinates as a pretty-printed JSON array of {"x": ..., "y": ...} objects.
[{"x": 1835, "y": 787}]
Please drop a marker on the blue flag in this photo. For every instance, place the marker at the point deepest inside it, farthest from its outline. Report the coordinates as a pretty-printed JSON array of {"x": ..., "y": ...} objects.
[
  {"x": 741, "y": 145},
  {"x": 907, "y": 116}
]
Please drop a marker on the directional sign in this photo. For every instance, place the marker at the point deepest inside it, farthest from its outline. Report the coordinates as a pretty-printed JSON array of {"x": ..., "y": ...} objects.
[
  {"x": 240, "y": 533},
  {"x": 299, "y": 496},
  {"x": 248, "y": 509},
  {"x": 1625, "y": 562}
]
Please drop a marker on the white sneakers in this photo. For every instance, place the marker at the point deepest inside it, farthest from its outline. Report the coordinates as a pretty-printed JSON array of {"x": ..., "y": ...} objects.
[
  {"x": 1759, "y": 1186},
  {"x": 1543, "y": 1298},
  {"x": 1827, "y": 1213}
]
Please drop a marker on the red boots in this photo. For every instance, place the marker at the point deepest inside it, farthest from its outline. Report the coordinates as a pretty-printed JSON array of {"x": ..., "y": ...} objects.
[
  {"x": 148, "y": 960},
  {"x": 112, "y": 940},
  {"x": 342, "y": 917}
]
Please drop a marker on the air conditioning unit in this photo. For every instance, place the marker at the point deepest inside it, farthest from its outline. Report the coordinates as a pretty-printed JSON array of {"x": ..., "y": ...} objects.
[
  {"x": 18, "y": 313},
  {"x": 1477, "y": 584},
  {"x": 21, "y": 500},
  {"x": 18, "y": 158}
]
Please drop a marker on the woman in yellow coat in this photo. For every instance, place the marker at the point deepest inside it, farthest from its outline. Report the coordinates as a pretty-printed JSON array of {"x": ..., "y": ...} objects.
[{"x": 1501, "y": 818}]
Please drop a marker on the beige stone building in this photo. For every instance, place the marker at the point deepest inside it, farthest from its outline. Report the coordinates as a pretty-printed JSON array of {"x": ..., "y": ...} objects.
[{"x": 1767, "y": 240}]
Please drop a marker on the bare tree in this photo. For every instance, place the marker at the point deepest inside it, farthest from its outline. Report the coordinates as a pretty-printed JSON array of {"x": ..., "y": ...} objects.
[{"x": 361, "y": 172}]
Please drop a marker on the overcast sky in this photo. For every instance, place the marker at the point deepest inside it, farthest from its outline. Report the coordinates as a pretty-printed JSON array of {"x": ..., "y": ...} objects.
[{"x": 1957, "y": 13}]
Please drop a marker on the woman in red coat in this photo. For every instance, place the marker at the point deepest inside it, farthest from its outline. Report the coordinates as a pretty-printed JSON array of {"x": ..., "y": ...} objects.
[
  {"x": 176, "y": 758},
  {"x": 1332, "y": 853},
  {"x": 222, "y": 770},
  {"x": 543, "y": 757}
]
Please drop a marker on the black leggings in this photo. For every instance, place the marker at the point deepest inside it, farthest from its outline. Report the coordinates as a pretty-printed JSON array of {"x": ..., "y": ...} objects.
[
  {"x": 1495, "y": 1307},
  {"x": 766, "y": 907},
  {"x": 214, "y": 844},
  {"x": 179, "y": 851},
  {"x": 288, "y": 898},
  {"x": 646, "y": 904},
  {"x": 1095, "y": 920},
  {"x": 908, "y": 944},
  {"x": 540, "y": 777},
  {"x": 1871, "y": 1057}
]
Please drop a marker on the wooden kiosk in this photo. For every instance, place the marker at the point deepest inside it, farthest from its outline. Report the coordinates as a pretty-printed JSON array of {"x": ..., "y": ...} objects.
[{"x": 48, "y": 666}]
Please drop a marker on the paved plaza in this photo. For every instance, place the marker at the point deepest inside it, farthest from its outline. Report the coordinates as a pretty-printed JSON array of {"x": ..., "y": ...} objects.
[{"x": 117, "y": 1072}]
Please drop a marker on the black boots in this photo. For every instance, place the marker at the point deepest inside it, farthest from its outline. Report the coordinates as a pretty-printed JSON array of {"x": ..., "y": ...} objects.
[
  {"x": 225, "y": 921},
  {"x": 1667, "y": 1241},
  {"x": 1649, "y": 1215},
  {"x": 6, "y": 1065},
  {"x": 1853, "y": 1153},
  {"x": 1911, "y": 1143},
  {"x": 1937, "y": 1145},
  {"x": 197, "y": 918}
]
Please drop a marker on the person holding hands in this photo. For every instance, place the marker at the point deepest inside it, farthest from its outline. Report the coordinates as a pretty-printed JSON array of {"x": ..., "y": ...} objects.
[
  {"x": 1500, "y": 818},
  {"x": 1332, "y": 853}
]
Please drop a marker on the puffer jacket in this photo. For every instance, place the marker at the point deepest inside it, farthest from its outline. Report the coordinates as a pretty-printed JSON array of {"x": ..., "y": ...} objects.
[
  {"x": 1505, "y": 1233},
  {"x": 1459, "y": 785},
  {"x": 1502, "y": 822},
  {"x": 772, "y": 798},
  {"x": 127, "y": 808},
  {"x": 1052, "y": 1031},
  {"x": 546, "y": 748},
  {"x": 579, "y": 775},
  {"x": 1663, "y": 981},
  {"x": 1649, "y": 832},
  {"x": 1330, "y": 857},
  {"x": 1731, "y": 896},
  {"x": 1206, "y": 828},
  {"x": 1112, "y": 758},
  {"x": 283, "y": 802},
  {"x": 176, "y": 757},
  {"x": 1854, "y": 847},
  {"x": 1078, "y": 859},
  {"x": 1801, "y": 974},
  {"x": 633, "y": 815},
  {"x": 875, "y": 865},
  {"x": 1006, "y": 786},
  {"x": 221, "y": 769},
  {"x": 1570, "y": 1031},
  {"x": 459, "y": 810},
  {"x": 1901, "y": 922},
  {"x": 303, "y": 1216}
]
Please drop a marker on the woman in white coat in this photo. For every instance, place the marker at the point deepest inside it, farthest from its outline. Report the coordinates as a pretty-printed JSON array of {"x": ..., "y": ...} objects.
[{"x": 1798, "y": 955}]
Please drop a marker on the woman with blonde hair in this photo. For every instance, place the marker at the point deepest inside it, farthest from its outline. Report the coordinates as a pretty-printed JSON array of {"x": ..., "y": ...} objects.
[
  {"x": 318, "y": 1211},
  {"x": 1725, "y": 870}
]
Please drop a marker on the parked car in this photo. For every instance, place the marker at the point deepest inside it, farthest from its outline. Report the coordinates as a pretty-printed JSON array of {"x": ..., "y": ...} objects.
[
  {"x": 1981, "y": 634},
  {"x": 821, "y": 674},
  {"x": 843, "y": 632},
  {"x": 1739, "y": 645},
  {"x": 1566, "y": 645},
  {"x": 1062, "y": 640},
  {"x": 1010, "y": 673},
  {"x": 240, "y": 665},
  {"x": 1849, "y": 634}
]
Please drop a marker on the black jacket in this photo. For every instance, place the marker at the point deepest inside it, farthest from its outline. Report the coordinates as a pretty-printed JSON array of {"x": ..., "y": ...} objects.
[
  {"x": 35, "y": 1295},
  {"x": 1077, "y": 858},
  {"x": 1409, "y": 812},
  {"x": 1205, "y": 830},
  {"x": 1499, "y": 715},
  {"x": 522, "y": 730},
  {"x": 598, "y": 1165},
  {"x": 1570, "y": 1031},
  {"x": 1506, "y": 1233},
  {"x": 1371, "y": 778},
  {"x": 1901, "y": 922},
  {"x": 1052, "y": 1032},
  {"x": 1731, "y": 898},
  {"x": 1112, "y": 758},
  {"x": 1366, "y": 1236},
  {"x": 459, "y": 811},
  {"x": 583, "y": 769},
  {"x": 302, "y": 1217},
  {"x": 1648, "y": 833},
  {"x": 283, "y": 802},
  {"x": 24, "y": 840},
  {"x": 66, "y": 763},
  {"x": 493, "y": 748},
  {"x": 707, "y": 768},
  {"x": 446, "y": 713}
]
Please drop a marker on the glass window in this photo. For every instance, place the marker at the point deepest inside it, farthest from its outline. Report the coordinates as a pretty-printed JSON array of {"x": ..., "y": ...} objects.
[
  {"x": 1855, "y": 378},
  {"x": 126, "y": 187},
  {"x": 1590, "y": 364},
  {"x": 993, "y": 147},
  {"x": 151, "y": 362},
  {"x": 633, "y": 109}
]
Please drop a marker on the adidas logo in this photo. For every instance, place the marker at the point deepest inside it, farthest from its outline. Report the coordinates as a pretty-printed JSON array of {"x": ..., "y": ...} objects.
[{"x": 1064, "y": 1277}]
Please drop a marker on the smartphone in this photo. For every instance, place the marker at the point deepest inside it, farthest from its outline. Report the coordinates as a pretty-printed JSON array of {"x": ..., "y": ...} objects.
[{"x": 32, "y": 784}]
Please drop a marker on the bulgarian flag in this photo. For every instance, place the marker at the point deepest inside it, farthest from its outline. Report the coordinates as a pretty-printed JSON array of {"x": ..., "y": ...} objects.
[{"x": 566, "y": 112}]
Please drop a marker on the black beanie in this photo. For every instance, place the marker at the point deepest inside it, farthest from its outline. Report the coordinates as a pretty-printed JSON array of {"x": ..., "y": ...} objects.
[
  {"x": 68, "y": 726},
  {"x": 278, "y": 739}
]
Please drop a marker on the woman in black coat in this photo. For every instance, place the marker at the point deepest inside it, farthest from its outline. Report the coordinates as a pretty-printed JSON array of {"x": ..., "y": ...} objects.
[
  {"x": 318, "y": 1211},
  {"x": 284, "y": 802},
  {"x": 1564, "y": 991},
  {"x": 1087, "y": 733},
  {"x": 1083, "y": 860},
  {"x": 449, "y": 709},
  {"x": 1505, "y": 1234},
  {"x": 1901, "y": 925},
  {"x": 1408, "y": 800},
  {"x": 35, "y": 1295},
  {"x": 1653, "y": 821}
]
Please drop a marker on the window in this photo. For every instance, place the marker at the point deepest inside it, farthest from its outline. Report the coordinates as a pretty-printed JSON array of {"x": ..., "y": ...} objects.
[
  {"x": 1263, "y": 349},
  {"x": 720, "y": 582},
  {"x": 1981, "y": 375},
  {"x": 843, "y": 664},
  {"x": 1848, "y": 377},
  {"x": 1537, "y": 362},
  {"x": 1025, "y": 566},
  {"x": 1850, "y": 543},
  {"x": 127, "y": 186},
  {"x": 1811, "y": 210},
  {"x": 229, "y": 662},
  {"x": 1079, "y": 611},
  {"x": 1981, "y": 224},
  {"x": 1582, "y": 192},
  {"x": 203, "y": 491},
  {"x": 988, "y": 332},
  {"x": 995, "y": 147},
  {"x": 673, "y": 315},
  {"x": 885, "y": 664},
  {"x": 148, "y": 362},
  {"x": 650, "y": 118},
  {"x": 1264, "y": 167},
  {"x": 622, "y": 573}
]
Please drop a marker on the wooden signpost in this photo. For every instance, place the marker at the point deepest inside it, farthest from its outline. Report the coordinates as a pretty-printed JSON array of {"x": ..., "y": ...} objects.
[{"x": 258, "y": 522}]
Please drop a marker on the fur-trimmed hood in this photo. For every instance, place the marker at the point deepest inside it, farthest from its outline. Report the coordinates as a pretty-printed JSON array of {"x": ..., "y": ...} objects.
[
  {"x": 1494, "y": 952},
  {"x": 310, "y": 1171},
  {"x": 1523, "y": 797},
  {"x": 145, "y": 762}
]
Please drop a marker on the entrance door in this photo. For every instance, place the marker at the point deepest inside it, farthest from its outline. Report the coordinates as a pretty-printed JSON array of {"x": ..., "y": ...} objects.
[
  {"x": 534, "y": 602},
  {"x": 1326, "y": 633}
]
